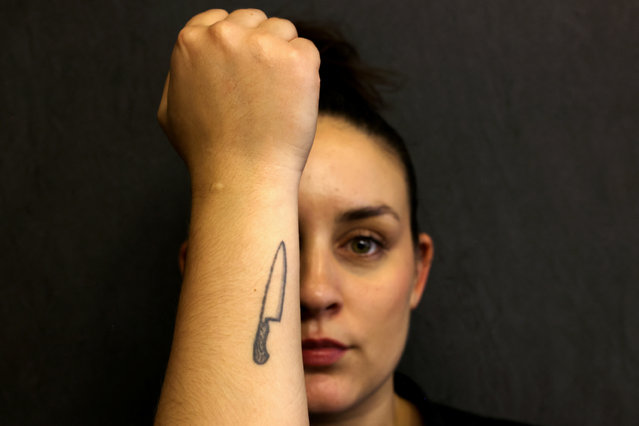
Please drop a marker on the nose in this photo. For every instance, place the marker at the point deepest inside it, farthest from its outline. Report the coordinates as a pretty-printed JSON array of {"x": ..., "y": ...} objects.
[{"x": 320, "y": 290}]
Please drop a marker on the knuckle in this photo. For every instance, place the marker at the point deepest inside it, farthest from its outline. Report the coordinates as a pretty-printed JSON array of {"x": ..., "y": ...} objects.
[
  {"x": 222, "y": 30},
  {"x": 258, "y": 43},
  {"x": 265, "y": 47},
  {"x": 207, "y": 16},
  {"x": 252, "y": 11},
  {"x": 217, "y": 12},
  {"x": 187, "y": 36},
  {"x": 281, "y": 21},
  {"x": 307, "y": 52},
  {"x": 287, "y": 26}
]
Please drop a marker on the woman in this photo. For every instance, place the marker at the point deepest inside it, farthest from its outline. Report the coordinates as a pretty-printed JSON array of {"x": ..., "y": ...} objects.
[{"x": 275, "y": 222}]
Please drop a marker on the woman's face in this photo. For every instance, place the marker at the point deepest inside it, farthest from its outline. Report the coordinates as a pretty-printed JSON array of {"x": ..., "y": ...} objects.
[{"x": 360, "y": 273}]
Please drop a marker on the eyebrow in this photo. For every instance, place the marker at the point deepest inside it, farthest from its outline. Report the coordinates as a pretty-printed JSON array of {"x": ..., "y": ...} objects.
[{"x": 367, "y": 212}]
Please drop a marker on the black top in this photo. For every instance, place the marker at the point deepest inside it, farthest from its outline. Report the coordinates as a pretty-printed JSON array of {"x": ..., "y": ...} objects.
[{"x": 441, "y": 415}]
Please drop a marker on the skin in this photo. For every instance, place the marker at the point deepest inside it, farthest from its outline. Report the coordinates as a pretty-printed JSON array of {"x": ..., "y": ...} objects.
[
  {"x": 362, "y": 298},
  {"x": 360, "y": 278},
  {"x": 241, "y": 68},
  {"x": 240, "y": 107}
]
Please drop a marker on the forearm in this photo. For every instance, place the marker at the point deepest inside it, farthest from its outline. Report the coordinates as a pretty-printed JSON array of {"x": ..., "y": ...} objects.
[
  {"x": 240, "y": 107},
  {"x": 236, "y": 228}
]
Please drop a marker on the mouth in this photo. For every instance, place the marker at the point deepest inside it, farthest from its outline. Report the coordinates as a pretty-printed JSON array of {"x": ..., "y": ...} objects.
[{"x": 322, "y": 352}]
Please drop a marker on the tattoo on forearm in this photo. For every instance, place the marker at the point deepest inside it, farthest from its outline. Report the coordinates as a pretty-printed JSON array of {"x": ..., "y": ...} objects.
[{"x": 272, "y": 304}]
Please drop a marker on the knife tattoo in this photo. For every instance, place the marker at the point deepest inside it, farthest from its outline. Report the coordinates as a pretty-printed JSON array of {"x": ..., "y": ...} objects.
[{"x": 272, "y": 304}]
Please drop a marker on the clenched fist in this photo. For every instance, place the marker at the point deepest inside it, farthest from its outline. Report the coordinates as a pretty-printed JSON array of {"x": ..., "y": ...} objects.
[{"x": 242, "y": 92}]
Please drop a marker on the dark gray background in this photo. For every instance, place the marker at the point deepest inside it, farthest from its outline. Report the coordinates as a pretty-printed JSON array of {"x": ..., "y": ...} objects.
[{"x": 522, "y": 117}]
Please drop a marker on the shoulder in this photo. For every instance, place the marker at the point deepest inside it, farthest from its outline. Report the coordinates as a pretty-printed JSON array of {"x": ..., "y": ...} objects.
[{"x": 437, "y": 414}]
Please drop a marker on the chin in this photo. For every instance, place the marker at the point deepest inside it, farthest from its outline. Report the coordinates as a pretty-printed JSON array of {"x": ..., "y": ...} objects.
[{"x": 327, "y": 394}]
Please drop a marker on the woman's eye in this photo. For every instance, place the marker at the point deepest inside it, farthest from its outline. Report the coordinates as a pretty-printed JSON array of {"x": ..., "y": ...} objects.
[{"x": 364, "y": 245}]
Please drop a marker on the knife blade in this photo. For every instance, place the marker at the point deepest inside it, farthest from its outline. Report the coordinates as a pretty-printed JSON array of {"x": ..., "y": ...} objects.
[{"x": 272, "y": 304}]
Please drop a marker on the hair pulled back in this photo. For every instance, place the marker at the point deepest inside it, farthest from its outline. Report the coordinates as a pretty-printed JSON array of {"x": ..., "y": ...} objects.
[{"x": 349, "y": 89}]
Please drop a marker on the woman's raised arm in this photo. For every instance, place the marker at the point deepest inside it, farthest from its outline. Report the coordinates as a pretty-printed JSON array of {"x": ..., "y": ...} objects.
[{"x": 240, "y": 107}]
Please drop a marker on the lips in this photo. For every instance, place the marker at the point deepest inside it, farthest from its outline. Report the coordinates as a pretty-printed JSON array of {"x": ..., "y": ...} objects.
[{"x": 322, "y": 352}]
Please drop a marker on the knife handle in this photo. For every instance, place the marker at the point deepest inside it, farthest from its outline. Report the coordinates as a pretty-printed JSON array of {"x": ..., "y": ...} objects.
[{"x": 260, "y": 354}]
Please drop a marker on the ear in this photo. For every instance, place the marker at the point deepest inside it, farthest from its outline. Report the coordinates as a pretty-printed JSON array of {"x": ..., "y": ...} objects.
[
  {"x": 182, "y": 256},
  {"x": 423, "y": 259}
]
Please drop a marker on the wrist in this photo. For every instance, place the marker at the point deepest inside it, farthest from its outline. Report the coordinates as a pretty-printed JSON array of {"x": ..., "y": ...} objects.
[
  {"x": 239, "y": 197},
  {"x": 242, "y": 180}
]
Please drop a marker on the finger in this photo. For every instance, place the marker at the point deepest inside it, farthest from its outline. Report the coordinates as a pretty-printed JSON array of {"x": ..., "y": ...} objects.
[
  {"x": 249, "y": 18},
  {"x": 307, "y": 48},
  {"x": 282, "y": 28},
  {"x": 208, "y": 18}
]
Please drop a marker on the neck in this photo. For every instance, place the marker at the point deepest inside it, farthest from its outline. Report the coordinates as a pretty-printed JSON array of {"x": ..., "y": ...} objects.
[{"x": 382, "y": 408}]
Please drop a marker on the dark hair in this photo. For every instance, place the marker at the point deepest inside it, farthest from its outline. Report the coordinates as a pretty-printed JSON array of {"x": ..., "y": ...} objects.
[{"x": 349, "y": 89}]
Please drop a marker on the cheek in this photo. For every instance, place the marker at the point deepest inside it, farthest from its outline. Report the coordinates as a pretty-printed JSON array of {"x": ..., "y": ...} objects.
[{"x": 386, "y": 304}]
